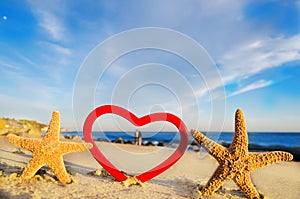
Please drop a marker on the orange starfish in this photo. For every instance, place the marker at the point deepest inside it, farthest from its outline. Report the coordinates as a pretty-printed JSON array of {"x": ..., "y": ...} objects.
[
  {"x": 48, "y": 151},
  {"x": 236, "y": 162}
]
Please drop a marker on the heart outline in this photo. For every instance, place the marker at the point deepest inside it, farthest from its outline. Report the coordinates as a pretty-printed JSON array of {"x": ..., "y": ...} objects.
[{"x": 154, "y": 117}]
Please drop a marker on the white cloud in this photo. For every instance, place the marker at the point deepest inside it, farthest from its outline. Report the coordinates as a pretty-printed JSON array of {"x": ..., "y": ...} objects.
[
  {"x": 51, "y": 24},
  {"x": 253, "y": 57},
  {"x": 58, "y": 48},
  {"x": 8, "y": 65},
  {"x": 49, "y": 19},
  {"x": 253, "y": 86},
  {"x": 14, "y": 59},
  {"x": 241, "y": 49}
]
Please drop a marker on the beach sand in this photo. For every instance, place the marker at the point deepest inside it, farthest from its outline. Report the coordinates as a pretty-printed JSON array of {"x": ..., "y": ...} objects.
[{"x": 280, "y": 180}]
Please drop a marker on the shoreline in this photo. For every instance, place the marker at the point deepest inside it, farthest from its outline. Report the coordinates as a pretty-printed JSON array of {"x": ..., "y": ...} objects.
[
  {"x": 193, "y": 146},
  {"x": 295, "y": 151},
  {"x": 286, "y": 139}
]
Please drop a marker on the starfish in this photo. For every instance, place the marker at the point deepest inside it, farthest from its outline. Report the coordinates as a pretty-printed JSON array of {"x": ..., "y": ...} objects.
[
  {"x": 236, "y": 162},
  {"x": 48, "y": 151}
]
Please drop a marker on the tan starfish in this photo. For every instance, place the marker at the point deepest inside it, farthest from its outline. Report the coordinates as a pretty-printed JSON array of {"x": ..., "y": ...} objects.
[
  {"x": 48, "y": 151},
  {"x": 236, "y": 162}
]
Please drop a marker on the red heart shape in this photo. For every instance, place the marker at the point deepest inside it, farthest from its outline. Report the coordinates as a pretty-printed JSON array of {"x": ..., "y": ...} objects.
[{"x": 106, "y": 164}]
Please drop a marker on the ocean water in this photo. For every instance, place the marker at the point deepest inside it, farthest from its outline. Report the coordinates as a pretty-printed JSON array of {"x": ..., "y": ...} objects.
[{"x": 284, "y": 139}]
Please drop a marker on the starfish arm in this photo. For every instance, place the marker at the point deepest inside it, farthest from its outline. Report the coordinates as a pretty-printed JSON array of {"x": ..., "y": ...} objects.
[
  {"x": 239, "y": 144},
  {"x": 216, "y": 150},
  {"x": 243, "y": 181},
  {"x": 26, "y": 143},
  {"x": 53, "y": 131},
  {"x": 68, "y": 147},
  {"x": 59, "y": 169},
  {"x": 216, "y": 181},
  {"x": 32, "y": 167},
  {"x": 259, "y": 160}
]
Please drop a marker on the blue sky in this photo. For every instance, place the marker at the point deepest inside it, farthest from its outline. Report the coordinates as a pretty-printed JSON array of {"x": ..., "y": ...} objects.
[{"x": 254, "y": 44}]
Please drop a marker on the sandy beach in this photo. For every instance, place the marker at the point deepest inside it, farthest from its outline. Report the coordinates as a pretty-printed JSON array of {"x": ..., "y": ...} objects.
[{"x": 277, "y": 181}]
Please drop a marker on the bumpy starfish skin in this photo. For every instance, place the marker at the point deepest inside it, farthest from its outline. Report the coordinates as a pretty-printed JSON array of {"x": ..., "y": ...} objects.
[
  {"x": 48, "y": 151},
  {"x": 236, "y": 162}
]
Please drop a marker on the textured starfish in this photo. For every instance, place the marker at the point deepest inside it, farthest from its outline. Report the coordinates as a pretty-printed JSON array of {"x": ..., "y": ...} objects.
[
  {"x": 48, "y": 151},
  {"x": 236, "y": 162}
]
